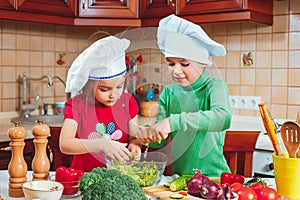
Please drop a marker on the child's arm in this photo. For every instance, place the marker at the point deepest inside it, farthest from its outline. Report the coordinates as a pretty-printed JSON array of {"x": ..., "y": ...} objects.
[
  {"x": 140, "y": 135},
  {"x": 69, "y": 144},
  {"x": 134, "y": 144}
]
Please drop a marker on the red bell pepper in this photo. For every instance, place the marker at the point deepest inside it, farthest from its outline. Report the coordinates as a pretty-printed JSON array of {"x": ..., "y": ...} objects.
[
  {"x": 227, "y": 177},
  {"x": 69, "y": 177}
]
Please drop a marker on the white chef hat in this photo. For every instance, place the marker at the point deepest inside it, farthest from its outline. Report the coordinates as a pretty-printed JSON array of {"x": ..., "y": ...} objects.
[
  {"x": 177, "y": 37},
  {"x": 104, "y": 59}
]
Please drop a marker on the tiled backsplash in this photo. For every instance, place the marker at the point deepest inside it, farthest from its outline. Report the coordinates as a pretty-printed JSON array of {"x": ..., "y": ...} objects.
[{"x": 34, "y": 48}]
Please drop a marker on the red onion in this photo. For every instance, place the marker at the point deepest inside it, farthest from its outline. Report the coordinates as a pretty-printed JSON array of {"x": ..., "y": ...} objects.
[
  {"x": 226, "y": 194},
  {"x": 194, "y": 184},
  {"x": 210, "y": 190}
]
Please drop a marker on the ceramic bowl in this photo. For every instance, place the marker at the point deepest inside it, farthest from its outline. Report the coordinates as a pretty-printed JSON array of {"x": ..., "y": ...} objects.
[
  {"x": 42, "y": 189},
  {"x": 146, "y": 169}
]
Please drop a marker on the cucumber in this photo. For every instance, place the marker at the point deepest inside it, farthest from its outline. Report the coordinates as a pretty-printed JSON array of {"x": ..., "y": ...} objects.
[
  {"x": 167, "y": 185},
  {"x": 178, "y": 184},
  {"x": 187, "y": 176},
  {"x": 176, "y": 196}
]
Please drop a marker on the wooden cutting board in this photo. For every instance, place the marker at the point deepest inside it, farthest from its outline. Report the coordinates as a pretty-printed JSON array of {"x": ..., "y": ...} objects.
[
  {"x": 164, "y": 193},
  {"x": 160, "y": 192}
]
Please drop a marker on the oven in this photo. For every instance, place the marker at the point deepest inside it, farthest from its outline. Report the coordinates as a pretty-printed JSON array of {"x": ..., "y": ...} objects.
[{"x": 262, "y": 157}]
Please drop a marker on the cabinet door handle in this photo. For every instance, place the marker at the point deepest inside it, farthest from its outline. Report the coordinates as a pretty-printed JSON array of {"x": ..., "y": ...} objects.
[
  {"x": 6, "y": 149},
  {"x": 172, "y": 3},
  {"x": 83, "y": 4},
  {"x": 50, "y": 154}
]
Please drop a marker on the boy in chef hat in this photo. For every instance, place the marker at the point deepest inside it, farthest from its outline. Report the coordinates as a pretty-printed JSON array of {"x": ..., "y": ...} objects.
[
  {"x": 194, "y": 110},
  {"x": 98, "y": 118}
]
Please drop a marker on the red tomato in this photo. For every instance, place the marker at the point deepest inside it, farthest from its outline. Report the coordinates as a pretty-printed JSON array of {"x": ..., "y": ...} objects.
[
  {"x": 247, "y": 194},
  {"x": 266, "y": 194},
  {"x": 258, "y": 185},
  {"x": 227, "y": 177},
  {"x": 184, "y": 193},
  {"x": 235, "y": 187},
  {"x": 224, "y": 185}
]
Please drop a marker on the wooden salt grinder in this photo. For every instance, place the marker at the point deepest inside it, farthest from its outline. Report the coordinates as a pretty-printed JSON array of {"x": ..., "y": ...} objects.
[
  {"x": 40, "y": 162},
  {"x": 17, "y": 167}
]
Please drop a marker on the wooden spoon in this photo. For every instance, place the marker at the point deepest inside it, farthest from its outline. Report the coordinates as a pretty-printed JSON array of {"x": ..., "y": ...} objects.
[{"x": 290, "y": 134}]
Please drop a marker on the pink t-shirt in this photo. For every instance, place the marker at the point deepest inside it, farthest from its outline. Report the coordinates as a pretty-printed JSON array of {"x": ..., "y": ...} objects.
[{"x": 94, "y": 121}]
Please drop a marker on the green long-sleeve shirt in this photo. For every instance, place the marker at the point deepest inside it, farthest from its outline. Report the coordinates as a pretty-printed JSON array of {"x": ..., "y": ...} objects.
[{"x": 199, "y": 116}]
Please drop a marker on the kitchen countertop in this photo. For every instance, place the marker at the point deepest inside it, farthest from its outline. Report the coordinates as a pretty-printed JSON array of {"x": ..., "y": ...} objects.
[
  {"x": 4, "y": 181},
  {"x": 6, "y": 124}
]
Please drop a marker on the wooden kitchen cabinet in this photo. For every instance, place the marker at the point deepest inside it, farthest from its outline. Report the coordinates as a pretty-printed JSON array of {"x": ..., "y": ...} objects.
[
  {"x": 43, "y": 11},
  {"x": 109, "y": 9},
  {"x": 154, "y": 8},
  {"x": 208, "y": 11},
  {"x": 5, "y": 156},
  {"x": 48, "y": 7},
  {"x": 7, "y": 4},
  {"x": 157, "y": 8},
  {"x": 135, "y": 13},
  {"x": 29, "y": 152},
  {"x": 59, "y": 159}
]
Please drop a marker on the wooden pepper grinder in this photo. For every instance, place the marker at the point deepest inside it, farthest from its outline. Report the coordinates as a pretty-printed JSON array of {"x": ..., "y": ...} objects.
[
  {"x": 17, "y": 167},
  {"x": 40, "y": 162}
]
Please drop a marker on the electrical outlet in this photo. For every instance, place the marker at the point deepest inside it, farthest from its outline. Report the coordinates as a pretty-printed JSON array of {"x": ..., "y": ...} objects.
[
  {"x": 244, "y": 102},
  {"x": 234, "y": 101}
]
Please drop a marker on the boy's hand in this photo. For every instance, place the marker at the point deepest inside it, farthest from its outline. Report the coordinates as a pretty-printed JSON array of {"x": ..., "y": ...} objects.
[{"x": 161, "y": 129}]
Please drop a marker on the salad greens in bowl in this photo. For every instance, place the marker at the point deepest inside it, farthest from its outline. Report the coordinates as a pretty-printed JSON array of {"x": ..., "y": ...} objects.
[{"x": 146, "y": 168}]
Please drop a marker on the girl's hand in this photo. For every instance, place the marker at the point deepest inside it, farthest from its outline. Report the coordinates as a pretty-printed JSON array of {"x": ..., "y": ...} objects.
[
  {"x": 116, "y": 150},
  {"x": 135, "y": 151}
]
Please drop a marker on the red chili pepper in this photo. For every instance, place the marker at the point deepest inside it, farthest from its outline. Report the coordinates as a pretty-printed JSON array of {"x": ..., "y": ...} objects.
[{"x": 69, "y": 177}]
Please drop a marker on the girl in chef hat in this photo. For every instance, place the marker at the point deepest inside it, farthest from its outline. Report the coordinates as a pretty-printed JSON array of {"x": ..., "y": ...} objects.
[
  {"x": 97, "y": 119},
  {"x": 194, "y": 110}
]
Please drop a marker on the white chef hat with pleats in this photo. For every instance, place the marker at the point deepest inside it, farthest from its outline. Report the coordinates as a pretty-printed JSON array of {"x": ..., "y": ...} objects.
[
  {"x": 177, "y": 37},
  {"x": 102, "y": 60}
]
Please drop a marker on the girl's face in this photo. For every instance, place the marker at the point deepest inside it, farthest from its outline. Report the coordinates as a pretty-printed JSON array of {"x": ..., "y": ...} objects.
[
  {"x": 109, "y": 91},
  {"x": 184, "y": 72}
]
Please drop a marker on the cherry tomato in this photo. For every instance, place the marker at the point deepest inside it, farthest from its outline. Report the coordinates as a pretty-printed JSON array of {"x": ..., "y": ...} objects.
[
  {"x": 246, "y": 193},
  {"x": 266, "y": 194},
  {"x": 235, "y": 187},
  {"x": 258, "y": 185}
]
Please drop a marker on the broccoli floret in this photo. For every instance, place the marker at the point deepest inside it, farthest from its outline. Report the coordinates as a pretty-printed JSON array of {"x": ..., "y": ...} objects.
[{"x": 109, "y": 184}]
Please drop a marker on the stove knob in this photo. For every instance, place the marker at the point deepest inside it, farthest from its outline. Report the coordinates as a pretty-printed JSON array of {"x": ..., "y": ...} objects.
[{"x": 271, "y": 166}]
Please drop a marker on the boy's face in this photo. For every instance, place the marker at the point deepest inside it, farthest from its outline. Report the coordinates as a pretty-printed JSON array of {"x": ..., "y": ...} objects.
[
  {"x": 184, "y": 72},
  {"x": 109, "y": 91}
]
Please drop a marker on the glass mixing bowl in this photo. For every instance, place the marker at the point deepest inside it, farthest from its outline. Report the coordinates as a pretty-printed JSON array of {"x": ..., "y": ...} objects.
[{"x": 147, "y": 169}]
